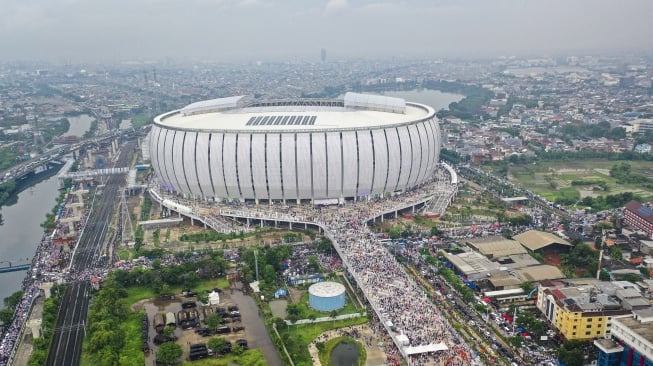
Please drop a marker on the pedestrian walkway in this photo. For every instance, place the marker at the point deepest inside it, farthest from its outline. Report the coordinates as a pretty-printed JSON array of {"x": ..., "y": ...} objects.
[
  {"x": 326, "y": 319},
  {"x": 417, "y": 332}
]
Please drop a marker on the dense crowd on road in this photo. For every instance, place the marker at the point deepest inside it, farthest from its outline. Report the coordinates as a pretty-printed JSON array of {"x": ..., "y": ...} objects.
[
  {"x": 49, "y": 264},
  {"x": 13, "y": 332},
  {"x": 400, "y": 304},
  {"x": 402, "y": 308}
]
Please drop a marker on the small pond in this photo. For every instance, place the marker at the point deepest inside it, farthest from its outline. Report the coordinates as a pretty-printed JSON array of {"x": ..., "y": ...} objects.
[{"x": 345, "y": 354}]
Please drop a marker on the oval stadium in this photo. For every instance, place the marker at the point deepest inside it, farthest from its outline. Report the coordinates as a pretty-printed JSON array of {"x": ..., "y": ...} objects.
[{"x": 317, "y": 150}]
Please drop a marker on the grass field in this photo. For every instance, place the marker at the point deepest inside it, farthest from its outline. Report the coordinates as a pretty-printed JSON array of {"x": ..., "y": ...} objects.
[
  {"x": 298, "y": 337},
  {"x": 137, "y": 293},
  {"x": 554, "y": 179},
  {"x": 253, "y": 357}
]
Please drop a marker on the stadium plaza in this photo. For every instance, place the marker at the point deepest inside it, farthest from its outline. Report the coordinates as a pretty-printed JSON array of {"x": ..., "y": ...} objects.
[{"x": 418, "y": 331}]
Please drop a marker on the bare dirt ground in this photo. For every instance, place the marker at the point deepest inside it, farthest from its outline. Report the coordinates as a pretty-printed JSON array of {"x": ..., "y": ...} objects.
[
  {"x": 296, "y": 294},
  {"x": 278, "y": 308}
]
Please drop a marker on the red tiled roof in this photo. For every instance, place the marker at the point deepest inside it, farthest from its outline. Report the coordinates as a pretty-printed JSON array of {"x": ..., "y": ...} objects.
[
  {"x": 558, "y": 294},
  {"x": 637, "y": 260}
]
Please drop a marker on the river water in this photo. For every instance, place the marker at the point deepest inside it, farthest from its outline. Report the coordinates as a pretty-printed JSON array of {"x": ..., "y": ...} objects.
[
  {"x": 21, "y": 232},
  {"x": 79, "y": 125}
]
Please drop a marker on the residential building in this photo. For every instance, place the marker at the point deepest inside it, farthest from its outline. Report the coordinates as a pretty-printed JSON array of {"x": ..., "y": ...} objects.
[
  {"x": 583, "y": 309},
  {"x": 639, "y": 216},
  {"x": 631, "y": 341}
]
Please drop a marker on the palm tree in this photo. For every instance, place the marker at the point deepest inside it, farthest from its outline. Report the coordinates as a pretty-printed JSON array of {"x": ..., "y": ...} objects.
[
  {"x": 333, "y": 314},
  {"x": 311, "y": 317}
]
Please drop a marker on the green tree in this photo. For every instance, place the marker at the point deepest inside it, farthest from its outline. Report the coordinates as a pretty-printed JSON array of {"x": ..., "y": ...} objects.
[
  {"x": 237, "y": 350},
  {"x": 216, "y": 344},
  {"x": 6, "y": 315},
  {"x": 323, "y": 245},
  {"x": 203, "y": 297},
  {"x": 394, "y": 233},
  {"x": 571, "y": 353},
  {"x": 527, "y": 286},
  {"x": 213, "y": 321},
  {"x": 333, "y": 314},
  {"x": 312, "y": 317},
  {"x": 169, "y": 330},
  {"x": 13, "y": 300},
  {"x": 293, "y": 318},
  {"x": 598, "y": 243},
  {"x": 604, "y": 225},
  {"x": 169, "y": 353},
  {"x": 156, "y": 264},
  {"x": 165, "y": 289},
  {"x": 615, "y": 253},
  {"x": 294, "y": 309}
]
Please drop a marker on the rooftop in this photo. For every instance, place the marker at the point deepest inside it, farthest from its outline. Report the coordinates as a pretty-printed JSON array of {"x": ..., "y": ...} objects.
[
  {"x": 535, "y": 240},
  {"x": 643, "y": 329},
  {"x": 540, "y": 272},
  {"x": 354, "y": 111},
  {"x": 497, "y": 247}
]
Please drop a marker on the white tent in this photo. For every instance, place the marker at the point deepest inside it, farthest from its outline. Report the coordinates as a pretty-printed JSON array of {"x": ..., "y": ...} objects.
[
  {"x": 403, "y": 339},
  {"x": 254, "y": 286},
  {"x": 214, "y": 298}
]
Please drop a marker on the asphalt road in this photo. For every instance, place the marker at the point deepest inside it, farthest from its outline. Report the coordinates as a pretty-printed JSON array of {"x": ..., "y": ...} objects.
[
  {"x": 257, "y": 334},
  {"x": 66, "y": 346}
]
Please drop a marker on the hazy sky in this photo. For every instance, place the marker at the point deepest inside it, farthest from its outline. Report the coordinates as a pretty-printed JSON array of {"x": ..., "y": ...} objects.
[{"x": 241, "y": 30}]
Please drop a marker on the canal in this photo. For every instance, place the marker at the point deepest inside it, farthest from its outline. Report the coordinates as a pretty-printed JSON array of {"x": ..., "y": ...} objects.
[
  {"x": 23, "y": 214},
  {"x": 21, "y": 231}
]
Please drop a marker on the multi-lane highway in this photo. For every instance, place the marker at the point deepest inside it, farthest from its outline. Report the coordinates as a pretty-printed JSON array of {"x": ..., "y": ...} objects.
[
  {"x": 56, "y": 153},
  {"x": 66, "y": 346}
]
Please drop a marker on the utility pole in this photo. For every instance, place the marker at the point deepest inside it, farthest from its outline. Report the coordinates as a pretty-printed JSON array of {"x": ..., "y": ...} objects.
[
  {"x": 127, "y": 234},
  {"x": 256, "y": 263}
]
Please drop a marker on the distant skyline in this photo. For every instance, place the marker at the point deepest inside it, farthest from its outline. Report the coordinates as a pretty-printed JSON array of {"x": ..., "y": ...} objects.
[{"x": 272, "y": 30}]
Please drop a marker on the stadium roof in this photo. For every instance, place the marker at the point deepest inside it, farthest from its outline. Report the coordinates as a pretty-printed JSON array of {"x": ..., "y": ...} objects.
[
  {"x": 375, "y": 102},
  {"x": 535, "y": 240},
  {"x": 355, "y": 111},
  {"x": 212, "y": 105}
]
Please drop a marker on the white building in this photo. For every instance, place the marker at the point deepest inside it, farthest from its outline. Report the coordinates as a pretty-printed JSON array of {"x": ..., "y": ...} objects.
[{"x": 307, "y": 149}]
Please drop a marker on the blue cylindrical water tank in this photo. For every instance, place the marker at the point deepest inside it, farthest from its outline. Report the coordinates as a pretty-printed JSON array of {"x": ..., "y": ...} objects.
[{"x": 326, "y": 296}]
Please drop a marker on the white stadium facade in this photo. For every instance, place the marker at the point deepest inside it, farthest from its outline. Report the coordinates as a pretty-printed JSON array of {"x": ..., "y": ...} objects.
[{"x": 322, "y": 150}]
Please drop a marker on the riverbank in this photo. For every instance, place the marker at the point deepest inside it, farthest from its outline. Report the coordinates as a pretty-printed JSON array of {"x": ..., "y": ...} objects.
[
  {"x": 49, "y": 264},
  {"x": 21, "y": 231}
]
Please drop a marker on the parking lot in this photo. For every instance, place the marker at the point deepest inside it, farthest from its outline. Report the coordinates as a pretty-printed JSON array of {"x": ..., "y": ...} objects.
[{"x": 249, "y": 326}]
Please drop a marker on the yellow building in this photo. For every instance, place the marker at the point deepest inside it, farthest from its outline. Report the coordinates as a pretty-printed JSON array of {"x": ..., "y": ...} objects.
[{"x": 583, "y": 309}]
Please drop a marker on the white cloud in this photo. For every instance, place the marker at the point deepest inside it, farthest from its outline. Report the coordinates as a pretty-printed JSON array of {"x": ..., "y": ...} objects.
[
  {"x": 336, "y": 7},
  {"x": 19, "y": 17}
]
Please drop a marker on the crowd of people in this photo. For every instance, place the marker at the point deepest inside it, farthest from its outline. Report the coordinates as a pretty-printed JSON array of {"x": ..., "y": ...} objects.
[
  {"x": 49, "y": 264},
  {"x": 410, "y": 318},
  {"x": 21, "y": 313},
  {"x": 402, "y": 308}
]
